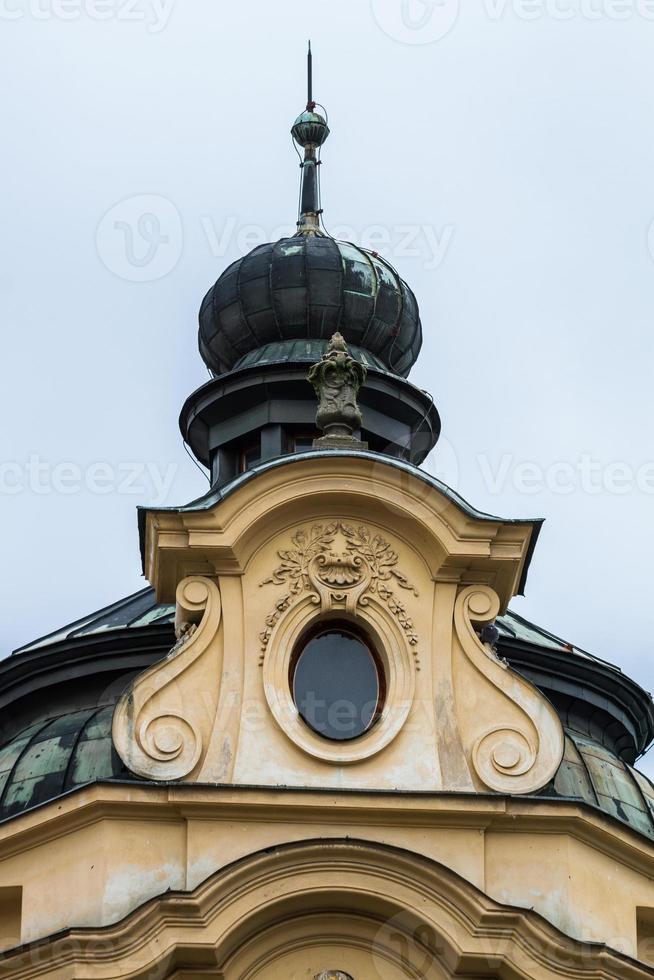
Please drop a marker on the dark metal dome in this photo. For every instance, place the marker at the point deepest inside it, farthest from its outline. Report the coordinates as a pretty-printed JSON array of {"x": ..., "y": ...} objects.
[
  {"x": 56, "y": 755},
  {"x": 308, "y": 287}
]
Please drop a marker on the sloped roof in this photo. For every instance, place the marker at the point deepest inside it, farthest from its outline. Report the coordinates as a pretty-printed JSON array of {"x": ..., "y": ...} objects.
[
  {"x": 515, "y": 627},
  {"x": 140, "y": 609}
]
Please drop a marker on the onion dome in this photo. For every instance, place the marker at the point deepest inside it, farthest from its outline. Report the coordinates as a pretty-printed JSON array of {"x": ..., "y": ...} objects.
[{"x": 310, "y": 286}]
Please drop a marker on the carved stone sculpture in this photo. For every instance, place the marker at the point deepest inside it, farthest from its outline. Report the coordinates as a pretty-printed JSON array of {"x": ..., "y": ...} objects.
[
  {"x": 340, "y": 564},
  {"x": 337, "y": 379}
]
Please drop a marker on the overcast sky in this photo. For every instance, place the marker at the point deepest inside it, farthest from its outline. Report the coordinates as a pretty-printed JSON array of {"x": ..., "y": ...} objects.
[{"x": 501, "y": 156}]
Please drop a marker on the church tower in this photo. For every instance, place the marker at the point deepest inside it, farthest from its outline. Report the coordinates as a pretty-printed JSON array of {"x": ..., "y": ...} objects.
[{"x": 319, "y": 745}]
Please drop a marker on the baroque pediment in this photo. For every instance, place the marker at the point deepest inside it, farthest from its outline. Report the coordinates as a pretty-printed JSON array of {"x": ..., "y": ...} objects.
[{"x": 360, "y": 590}]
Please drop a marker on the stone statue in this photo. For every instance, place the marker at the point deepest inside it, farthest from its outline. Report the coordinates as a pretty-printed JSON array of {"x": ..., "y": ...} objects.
[{"x": 337, "y": 379}]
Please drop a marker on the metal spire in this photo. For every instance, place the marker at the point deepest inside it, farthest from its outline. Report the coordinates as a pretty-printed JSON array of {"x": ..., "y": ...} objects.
[
  {"x": 311, "y": 105},
  {"x": 310, "y": 130}
]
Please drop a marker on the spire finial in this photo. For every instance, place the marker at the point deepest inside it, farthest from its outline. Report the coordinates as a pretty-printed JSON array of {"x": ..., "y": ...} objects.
[
  {"x": 310, "y": 130},
  {"x": 311, "y": 105}
]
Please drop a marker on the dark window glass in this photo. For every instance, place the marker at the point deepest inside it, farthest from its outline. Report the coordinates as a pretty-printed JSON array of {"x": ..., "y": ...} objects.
[
  {"x": 336, "y": 684},
  {"x": 250, "y": 457},
  {"x": 303, "y": 442},
  {"x": 299, "y": 442}
]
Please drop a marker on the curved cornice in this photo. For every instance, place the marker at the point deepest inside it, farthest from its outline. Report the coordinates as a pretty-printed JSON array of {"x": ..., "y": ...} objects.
[
  {"x": 214, "y": 496},
  {"x": 464, "y": 930},
  {"x": 218, "y": 534}
]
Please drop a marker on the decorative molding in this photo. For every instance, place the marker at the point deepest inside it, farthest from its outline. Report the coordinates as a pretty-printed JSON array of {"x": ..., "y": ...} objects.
[
  {"x": 513, "y": 736},
  {"x": 399, "y": 669},
  {"x": 86, "y": 813},
  {"x": 161, "y": 724},
  {"x": 346, "y": 572},
  {"x": 333, "y": 892},
  {"x": 450, "y": 536}
]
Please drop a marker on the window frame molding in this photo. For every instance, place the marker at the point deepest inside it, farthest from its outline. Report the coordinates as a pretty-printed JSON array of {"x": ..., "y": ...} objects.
[{"x": 396, "y": 658}]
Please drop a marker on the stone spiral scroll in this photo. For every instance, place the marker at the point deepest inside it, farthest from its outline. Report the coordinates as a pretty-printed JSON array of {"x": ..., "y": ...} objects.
[
  {"x": 513, "y": 735},
  {"x": 157, "y": 728}
]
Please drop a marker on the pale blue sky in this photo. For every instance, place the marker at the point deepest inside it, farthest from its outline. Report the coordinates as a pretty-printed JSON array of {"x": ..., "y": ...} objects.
[{"x": 500, "y": 155}]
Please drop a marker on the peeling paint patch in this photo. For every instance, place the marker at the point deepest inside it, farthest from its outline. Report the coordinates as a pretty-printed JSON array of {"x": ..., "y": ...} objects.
[{"x": 131, "y": 885}]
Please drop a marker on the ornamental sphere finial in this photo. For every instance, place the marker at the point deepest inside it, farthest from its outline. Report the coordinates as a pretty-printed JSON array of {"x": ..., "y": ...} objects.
[{"x": 310, "y": 129}]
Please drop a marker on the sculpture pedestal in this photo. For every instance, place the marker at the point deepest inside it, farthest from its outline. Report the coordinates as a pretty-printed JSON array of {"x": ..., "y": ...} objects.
[{"x": 339, "y": 442}]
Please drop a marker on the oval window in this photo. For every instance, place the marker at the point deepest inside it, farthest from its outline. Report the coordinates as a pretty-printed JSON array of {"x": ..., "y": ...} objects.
[{"x": 337, "y": 683}]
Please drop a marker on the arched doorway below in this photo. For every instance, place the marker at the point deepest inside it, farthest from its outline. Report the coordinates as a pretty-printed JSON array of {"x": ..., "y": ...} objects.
[{"x": 333, "y": 945}]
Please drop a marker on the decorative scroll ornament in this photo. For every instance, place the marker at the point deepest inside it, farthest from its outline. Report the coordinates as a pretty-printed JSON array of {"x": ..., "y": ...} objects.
[
  {"x": 161, "y": 723},
  {"x": 512, "y": 735},
  {"x": 339, "y": 564}
]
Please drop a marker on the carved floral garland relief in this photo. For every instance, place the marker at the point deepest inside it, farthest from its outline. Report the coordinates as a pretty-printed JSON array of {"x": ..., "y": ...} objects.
[
  {"x": 510, "y": 736},
  {"x": 338, "y": 563}
]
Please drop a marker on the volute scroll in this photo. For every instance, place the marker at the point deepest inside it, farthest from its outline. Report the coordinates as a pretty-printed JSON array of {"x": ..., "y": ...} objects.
[
  {"x": 512, "y": 734},
  {"x": 161, "y": 723}
]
